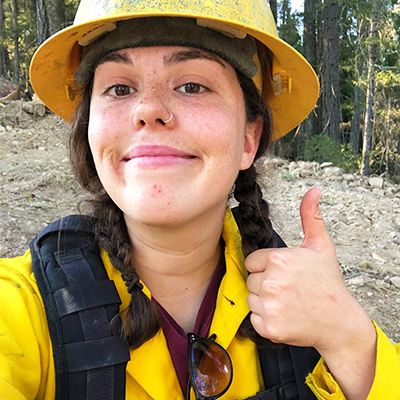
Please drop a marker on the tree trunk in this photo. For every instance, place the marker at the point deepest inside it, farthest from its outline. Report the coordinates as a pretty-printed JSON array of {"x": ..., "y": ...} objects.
[
  {"x": 310, "y": 32},
  {"x": 330, "y": 72},
  {"x": 318, "y": 65},
  {"x": 42, "y": 28},
  {"x": 387, "y": 158},
  {"x": 274, "y": 8},
  {"x": 55, "y": 13},
  {"x": 309, "y": 126},
  {"x": 285, "y": 11},
  {"x": 358, "y": 93},
  {"x": 16, "y": 38},
  {"x": 398, "y": 143},
  {"x": 369, "y": 108},
  {"x": 4, "y": 61}
]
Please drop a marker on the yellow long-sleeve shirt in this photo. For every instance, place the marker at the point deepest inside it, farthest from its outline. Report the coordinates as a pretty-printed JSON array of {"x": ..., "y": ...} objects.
[{"x": 26, "y": 359}]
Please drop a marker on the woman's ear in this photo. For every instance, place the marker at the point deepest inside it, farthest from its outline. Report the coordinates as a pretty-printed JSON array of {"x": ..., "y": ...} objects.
[{"x": 251, "y": 142}]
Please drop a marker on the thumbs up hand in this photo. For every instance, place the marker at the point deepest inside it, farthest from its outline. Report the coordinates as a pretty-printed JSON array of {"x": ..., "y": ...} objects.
[{"x": 297, "y": 295}]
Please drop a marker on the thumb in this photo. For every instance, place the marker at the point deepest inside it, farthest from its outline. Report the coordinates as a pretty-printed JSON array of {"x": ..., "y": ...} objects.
[{"x": 315, "y": 232}]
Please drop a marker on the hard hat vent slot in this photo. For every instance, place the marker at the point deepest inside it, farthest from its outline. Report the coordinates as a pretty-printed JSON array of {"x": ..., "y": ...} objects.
[
  {"x": 281, "y": 83},
  {"x": 97, "y": 33},
  {"x": 71, "y": 92},
  {"x": 222, "y": 28}
]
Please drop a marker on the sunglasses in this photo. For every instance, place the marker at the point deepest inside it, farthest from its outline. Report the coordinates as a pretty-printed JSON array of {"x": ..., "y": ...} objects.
[{"x": 210, "y": 368}]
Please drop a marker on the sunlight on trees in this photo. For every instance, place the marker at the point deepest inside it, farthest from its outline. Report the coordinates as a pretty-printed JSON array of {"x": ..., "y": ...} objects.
[
  {"x": 348, "y": 52},
  {"x": 356, "y": 39}
]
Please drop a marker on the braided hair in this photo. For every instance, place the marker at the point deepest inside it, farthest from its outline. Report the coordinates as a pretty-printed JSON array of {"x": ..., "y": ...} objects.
[
  {"x": 141, "y": 319},
  {"x": 252, "y": 213}
]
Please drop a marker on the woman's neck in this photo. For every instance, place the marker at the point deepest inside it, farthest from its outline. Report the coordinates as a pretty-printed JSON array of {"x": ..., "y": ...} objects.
[{"x": 176, "y": 264}]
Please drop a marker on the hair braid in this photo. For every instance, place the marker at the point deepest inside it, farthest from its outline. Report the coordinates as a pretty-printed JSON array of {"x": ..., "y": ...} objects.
[
  {"x": 255, "y": 227},
  {"x": 141, "y": 320},
  {"x": 253, "y": 213}
]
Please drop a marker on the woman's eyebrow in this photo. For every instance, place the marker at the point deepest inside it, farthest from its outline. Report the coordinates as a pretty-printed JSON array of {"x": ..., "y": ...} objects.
[
  {"x": 191, "y": 54},
  {"x": 176, "y": 57},
  {"x": 120, "y": 57}
]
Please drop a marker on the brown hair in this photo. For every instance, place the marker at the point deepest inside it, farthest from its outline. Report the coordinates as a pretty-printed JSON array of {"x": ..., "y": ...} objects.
[{"x": 141, "y": 321}]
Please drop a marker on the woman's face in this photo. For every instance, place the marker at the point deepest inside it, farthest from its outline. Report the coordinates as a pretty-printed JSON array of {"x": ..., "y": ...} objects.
[{"x": 169, "y": 173}]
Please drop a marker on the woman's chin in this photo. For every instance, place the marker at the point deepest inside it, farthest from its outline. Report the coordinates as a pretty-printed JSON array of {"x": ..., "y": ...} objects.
[{"x": 168, "y": 217}]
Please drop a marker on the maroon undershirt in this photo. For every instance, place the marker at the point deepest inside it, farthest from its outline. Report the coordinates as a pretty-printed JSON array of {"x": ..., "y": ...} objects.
[{"x": 177, "y": 340}]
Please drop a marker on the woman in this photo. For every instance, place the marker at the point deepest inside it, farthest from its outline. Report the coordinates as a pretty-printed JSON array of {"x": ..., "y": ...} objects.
[{"x": 168, "y": 119}]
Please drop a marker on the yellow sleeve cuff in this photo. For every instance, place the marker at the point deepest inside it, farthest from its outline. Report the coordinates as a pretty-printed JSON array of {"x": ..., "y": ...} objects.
[
  {"x": 387, "y": 373},
  {"x": 386, "y": 383},
  {"x": 322, "y": 383}
]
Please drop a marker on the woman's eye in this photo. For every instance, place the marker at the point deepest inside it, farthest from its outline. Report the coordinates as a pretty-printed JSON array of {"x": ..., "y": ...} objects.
[
  {"x": 120, "y": 90},
  {"x": 191, "y": 88}
]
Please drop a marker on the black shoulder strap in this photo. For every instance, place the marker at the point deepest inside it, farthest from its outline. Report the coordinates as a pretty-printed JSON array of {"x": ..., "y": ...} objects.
[
  {"x": 284, "y": 370},
  {"x": 80, "y": 301}
]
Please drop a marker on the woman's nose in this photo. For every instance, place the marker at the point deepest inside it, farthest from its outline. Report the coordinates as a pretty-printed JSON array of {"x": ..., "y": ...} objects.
[{"x": 151, "y": 112}]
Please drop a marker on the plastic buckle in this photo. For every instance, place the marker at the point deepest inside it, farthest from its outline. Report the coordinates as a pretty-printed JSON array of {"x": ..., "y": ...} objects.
[
  {"x": 282, "y": 395},
  {"x": 288, "y": 391}
]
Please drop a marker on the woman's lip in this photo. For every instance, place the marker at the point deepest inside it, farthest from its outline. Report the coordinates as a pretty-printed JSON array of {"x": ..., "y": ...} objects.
[{"x": 157, "y": 155}]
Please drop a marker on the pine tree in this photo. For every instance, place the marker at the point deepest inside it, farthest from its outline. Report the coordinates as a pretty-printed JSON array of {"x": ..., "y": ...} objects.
[
  {"x": 369, "y": 108},
  {"x": 331, "y": 116},
  {"x": 16, "y": 74}
]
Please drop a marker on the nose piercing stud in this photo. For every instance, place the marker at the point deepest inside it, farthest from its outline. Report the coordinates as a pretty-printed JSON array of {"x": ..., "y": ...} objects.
[{"x": 169, "y": 119}]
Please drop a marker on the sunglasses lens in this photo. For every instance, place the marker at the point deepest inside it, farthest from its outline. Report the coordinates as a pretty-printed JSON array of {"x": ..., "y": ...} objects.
[{"x": 211, "y": 369}]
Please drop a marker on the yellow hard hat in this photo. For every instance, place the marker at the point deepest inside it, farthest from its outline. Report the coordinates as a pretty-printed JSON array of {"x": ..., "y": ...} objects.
[{"x": 290, "y": 87}]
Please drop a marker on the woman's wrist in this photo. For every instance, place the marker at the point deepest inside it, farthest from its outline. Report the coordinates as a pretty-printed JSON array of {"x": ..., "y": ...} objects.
[{"x": 351, "y": 358}]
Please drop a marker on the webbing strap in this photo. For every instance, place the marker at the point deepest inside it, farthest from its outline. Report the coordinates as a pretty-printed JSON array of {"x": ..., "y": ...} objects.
[
  {"x": 72, "y": 299},
  {"x": 80, "y": 301},
  {"x": 100, "y": 383},
  {"x": 281, "y": 392},
  {"x": 82, "y": 356},
  {"x": 278, "y": 374},
  {"x": 284, "y": 370}
]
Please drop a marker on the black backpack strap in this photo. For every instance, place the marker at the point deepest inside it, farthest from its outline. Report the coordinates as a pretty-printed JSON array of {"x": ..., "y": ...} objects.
[
  {"x": 284, "y": 370},
  {"x": 80, "y": 301},
  {"x": 278, "y": 374}
]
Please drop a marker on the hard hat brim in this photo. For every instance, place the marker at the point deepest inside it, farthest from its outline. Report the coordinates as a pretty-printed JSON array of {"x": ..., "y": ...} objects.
[{"x": 53, "y": 66}]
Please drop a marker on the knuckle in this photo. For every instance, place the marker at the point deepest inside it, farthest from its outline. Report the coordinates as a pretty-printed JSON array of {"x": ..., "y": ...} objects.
[
  {"x": 279, "y": 258},
  {"x": 272, "y": 287},
  {"x": 268, "y": 330}
]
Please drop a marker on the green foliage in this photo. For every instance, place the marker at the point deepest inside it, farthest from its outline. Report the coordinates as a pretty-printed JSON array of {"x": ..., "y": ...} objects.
[
  {"x": 27, "y": 42},
  {"x": 366, "y": 265},
  {"x": 382, "y": 163},
  {"x": 288, "y": 177},
  {"x": 321, "y": 148},
  {"x": 288, "y": 25},
  {"x": 385, "y": 139},
  {"x": 394, "y": 168}
]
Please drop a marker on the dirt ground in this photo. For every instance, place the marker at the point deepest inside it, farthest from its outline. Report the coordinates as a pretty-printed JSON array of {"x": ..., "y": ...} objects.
[{"x": 364, "y": 221}]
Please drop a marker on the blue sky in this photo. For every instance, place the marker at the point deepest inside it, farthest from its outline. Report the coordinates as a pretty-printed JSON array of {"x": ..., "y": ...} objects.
[{"x": 297, "y": 5}]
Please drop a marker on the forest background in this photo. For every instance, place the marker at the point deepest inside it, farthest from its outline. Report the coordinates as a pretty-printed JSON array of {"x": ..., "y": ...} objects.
[{"x": 354, "y": 47}]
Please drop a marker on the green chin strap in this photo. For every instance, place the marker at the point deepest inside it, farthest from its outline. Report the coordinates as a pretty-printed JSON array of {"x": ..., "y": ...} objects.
[{"x": 169, "y": 31}]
